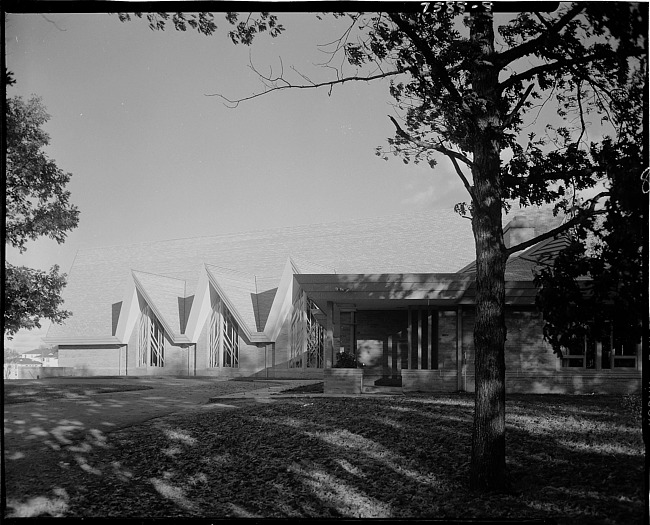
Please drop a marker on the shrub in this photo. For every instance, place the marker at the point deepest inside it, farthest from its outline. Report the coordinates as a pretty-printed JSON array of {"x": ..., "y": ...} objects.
[{"x": 346, "y": 360}]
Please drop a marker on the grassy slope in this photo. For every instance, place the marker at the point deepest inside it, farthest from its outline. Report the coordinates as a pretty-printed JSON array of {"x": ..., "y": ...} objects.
[{"x": 576, "y": 459}]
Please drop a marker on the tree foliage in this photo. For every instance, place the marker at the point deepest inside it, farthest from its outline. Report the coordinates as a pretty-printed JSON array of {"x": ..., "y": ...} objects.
[
  {"x": 598, "y": 278},
  {"x": 31, "y": 295},
  {"x": 469, "y": 87},
  {"x": 37, "y": 201},
  {"x": 243, "y": 31},
  {"x": 36, "y": 204},
  {"x": 10, "y": 355}
]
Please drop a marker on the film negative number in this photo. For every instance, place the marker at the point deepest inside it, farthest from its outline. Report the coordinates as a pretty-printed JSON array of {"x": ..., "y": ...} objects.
[{"x": 456, "y": 8}]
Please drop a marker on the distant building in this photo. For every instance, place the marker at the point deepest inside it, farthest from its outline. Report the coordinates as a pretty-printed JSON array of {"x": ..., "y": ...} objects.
[
  {"x": 46, "y": 357},
  {"x": 22, "y": 368},
  {"x": 398, "y": 292}
]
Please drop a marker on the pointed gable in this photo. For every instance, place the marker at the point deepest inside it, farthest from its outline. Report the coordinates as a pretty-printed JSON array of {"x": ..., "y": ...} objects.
[
  {"x": 237, "y": 290},
  {"x": 166, "y": 297}
]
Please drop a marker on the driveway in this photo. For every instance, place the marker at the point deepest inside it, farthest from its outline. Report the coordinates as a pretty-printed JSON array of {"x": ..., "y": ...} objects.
[{"x": 35, "y": 431}]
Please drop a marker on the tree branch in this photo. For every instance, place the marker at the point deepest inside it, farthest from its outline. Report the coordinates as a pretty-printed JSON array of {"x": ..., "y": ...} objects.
[
  {"x": 437, "y": 67},
  {"x": 462, "y": 177},
  {"x": 531, "y": 46},
  {"x": 454, "y": 156},
  {"x": 544, "y": 68},
  {"x": 508, "y": 120},
  {"x": 580, "y": 217},
  {"x": 581, "y": 111},
  {"x": 425, "y": 145},
  {"x": 313, "y": 85}
]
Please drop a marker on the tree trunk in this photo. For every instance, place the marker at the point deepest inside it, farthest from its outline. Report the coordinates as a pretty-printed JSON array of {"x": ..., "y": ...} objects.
[{"x": 488, "y": 462}]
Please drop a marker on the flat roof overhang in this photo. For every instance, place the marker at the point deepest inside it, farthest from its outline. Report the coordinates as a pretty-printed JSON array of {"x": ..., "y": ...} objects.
[
  {"x": 384, "y": 291},
  {"x": 396, "y": 291}
]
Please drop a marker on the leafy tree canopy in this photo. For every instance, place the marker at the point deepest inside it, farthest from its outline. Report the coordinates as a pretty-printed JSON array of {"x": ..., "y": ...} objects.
[
  {"x": 37, "y": 204},
  {"x": 599, "y": 279},
  {"x": 37, "y": 200}
]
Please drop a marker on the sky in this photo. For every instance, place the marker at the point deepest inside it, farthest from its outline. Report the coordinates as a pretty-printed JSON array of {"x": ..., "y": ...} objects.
[{"x": 152, "y": 157}]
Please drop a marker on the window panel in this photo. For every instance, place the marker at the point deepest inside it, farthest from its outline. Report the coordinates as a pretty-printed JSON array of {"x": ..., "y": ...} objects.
[
  {"x": 617, "y": 350},
  {"x": 307, "y": 336},
  {"x": 151, "y": 340},
  {"x": 230, "y": 341},
  {"x": 315, "y": 339},
  {"x": 590, "y": 352},
  {"x": 298, "y": 332},
  {"x": 223, "y": 337},
  {"x": 214, "y": 333}
]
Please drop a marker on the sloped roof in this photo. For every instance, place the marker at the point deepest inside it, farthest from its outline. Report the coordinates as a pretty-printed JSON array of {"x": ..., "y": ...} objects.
[
  {"x": 517, "y": 293},
  {"x": 427, "y": 242},
  {"x": 165, "y": 295},
  {"x": 239, "y": 290},
  {"x": 521, "y": 266},
  {"x": 43, "y": 353},
  {"x": 25, "y": 361}
]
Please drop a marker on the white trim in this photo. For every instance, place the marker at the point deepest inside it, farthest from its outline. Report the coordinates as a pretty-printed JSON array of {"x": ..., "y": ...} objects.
[
  {"x": 129, "y": 313},
  {"x": 229, "y": 305},
  {"x": 282, "y": 303},
  {"x": 84, "y": 340},
  {"x": 252, "y": 336},
  {"x": 161, "y": 319},
  {"x": 200, "y": 309}
]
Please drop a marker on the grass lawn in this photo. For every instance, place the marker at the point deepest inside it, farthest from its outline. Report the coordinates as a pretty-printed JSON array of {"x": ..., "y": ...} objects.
[{"x": 575, "y": 459}]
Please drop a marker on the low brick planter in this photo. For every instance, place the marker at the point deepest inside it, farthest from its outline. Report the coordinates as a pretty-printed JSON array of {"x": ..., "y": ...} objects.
[{"x": 342, "y": 380}]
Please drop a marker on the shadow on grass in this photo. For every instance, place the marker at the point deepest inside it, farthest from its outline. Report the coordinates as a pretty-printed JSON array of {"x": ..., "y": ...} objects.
[
  {"x": 25, "y": 393},
  {"x": 46, "y": 444},
  {"x": 572, "y": 459},
  {"x": 349, "y": 457}
]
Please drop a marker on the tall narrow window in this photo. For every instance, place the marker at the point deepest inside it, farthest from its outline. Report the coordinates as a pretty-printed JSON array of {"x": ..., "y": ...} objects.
[
  {"x": 214, "y": 334},
  {"x": 151, "y": 340},
  {"x": 315, "y": 338},
  {"x": 307, "y": 335},
  {"x": 298, "y": 332},
  {"x": 223, "y": 340},
  {"x": 230, "y": 341}
]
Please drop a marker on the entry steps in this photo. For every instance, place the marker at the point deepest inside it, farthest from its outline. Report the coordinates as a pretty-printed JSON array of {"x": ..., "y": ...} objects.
[{"x": 378, "y": 384}]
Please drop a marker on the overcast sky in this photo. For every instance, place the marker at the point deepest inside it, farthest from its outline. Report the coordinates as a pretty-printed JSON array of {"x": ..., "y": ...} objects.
[{"x": 152, "y": 157}]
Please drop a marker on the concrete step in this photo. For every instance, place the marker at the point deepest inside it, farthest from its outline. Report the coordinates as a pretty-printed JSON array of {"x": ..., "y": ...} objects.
[{"x": 374, "y": 389}]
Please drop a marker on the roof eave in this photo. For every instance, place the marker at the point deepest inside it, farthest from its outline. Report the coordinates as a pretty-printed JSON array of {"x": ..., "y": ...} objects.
[{"x": 84, "y": 340}]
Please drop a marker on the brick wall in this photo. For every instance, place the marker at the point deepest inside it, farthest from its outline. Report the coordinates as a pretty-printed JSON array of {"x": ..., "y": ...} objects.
[
  {"x": 447, "y": 335},
  {"x": 92, "y": 360},
  {"x": 531, "y": 365},
  {"x": 525, "y": 348}
]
